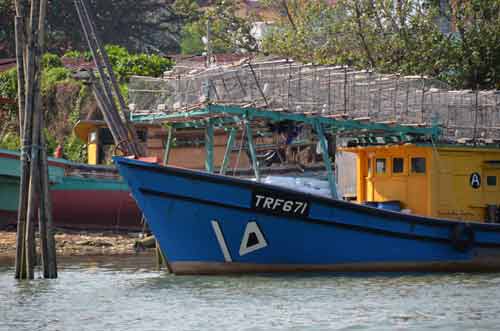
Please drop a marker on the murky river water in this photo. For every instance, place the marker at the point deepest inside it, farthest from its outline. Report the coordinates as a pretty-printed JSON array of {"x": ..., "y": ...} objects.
[{"x": 128, "y": 294}]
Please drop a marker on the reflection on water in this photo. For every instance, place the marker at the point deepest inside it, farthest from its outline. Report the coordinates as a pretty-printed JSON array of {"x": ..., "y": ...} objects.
[{"x": 128, "y": 294}]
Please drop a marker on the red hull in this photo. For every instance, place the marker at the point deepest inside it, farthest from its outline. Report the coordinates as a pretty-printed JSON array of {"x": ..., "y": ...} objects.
[
  {"x": 89, "y": 210},
  {"x": 94, "y": 209}
]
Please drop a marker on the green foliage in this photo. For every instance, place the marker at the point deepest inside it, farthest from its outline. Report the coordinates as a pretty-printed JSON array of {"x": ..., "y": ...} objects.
[
  {"x": 51, "y": 142},
  {"x": 475, "y": 47},
  {"x": 126, "y": 64},
  {"x": 11, "y": 141},
  {"x": 8, "y": 83},
  {"x": 83, "y": 94},
  {"x": 87, "y": 56},
  {"x": 305, "y": 31},
  {"x": 52, "y": 77},
  {"x": 388, "y": 36},
  {"x": 191, "y": 42},
  {"x": 50, "y": 60},
  {"x": 74, "y": 149},
  {"x": 8, "y": 89},
  {"x": 228, "y": 31},
  {"x": 124, "y": 92}
]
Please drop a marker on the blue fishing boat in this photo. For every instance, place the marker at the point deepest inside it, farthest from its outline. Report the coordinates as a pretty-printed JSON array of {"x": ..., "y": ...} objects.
[{"x": 210, "y": 223}]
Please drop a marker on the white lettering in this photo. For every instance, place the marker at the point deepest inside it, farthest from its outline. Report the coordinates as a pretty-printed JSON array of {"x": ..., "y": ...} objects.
[
  {"x": 288, "y": 206},
  {"x": 278, "y": 202},
  {"x": 268, "y": 202},
  {"x": 299, "y": 205},
  {"x": 304, "y": 208},
  {"x": 259, "y": 197},
  {"x": 475, "y": 181},
  {"x": 280, "y": 205}
]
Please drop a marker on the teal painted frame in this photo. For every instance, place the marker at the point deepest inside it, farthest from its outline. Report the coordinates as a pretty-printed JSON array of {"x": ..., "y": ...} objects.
[
  {"x": 168, "y": 145},
  {"x": 253, "y": 152},
  {"x": 209, "y": 147},
  {"x": 253, "y": 113},
  {"x": 229, "y": 148}
]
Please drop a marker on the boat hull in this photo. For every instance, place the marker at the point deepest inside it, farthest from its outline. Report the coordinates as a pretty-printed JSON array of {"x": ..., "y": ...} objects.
[
  {"x": 87, "y": 209},
  {"x": 218, "y": 268},
  {"x": 83, "y": 203},
  {"x": 209, "y": 224}
]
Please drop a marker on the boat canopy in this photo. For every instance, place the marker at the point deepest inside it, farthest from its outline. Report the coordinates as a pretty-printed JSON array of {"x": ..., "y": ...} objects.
[{"x": 231, "y": 117}]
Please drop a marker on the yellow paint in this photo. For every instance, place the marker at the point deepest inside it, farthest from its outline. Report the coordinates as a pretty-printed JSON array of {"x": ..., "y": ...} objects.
[
  {"x": 443, "y": 190},
  {"x": 92, "y": 154},
  {"x": 88, "y": 131}
]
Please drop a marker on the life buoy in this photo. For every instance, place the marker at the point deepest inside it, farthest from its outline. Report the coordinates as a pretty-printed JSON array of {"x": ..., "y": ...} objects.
[{"x": 463, "y": 237}]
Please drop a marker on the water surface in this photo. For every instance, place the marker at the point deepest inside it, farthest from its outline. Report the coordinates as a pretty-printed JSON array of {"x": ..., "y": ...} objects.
[{"x": 129, "y": 294}]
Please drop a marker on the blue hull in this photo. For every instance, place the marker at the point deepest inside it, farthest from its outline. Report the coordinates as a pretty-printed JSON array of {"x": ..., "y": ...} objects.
[{"x": 209, "y": 224}]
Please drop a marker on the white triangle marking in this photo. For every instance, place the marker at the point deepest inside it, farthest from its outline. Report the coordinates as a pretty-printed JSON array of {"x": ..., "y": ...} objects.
[
  {"x": 222, "y": 241},
  {"x": 252, "y": 227}
]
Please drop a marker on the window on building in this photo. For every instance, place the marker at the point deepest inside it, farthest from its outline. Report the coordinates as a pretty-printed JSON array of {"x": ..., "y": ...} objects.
[
  {"x": 397, "y": 165},
  {"x": 491, "y": 180},
  {"x": 380, "y": 166},
  {"x": 418, "y": 165},
  {"x": 369, "y": 166},
  {"x": 142, "y": 135}
]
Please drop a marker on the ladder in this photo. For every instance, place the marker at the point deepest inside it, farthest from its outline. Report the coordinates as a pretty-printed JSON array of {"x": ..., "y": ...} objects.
[{"x": 105, "y": 88}]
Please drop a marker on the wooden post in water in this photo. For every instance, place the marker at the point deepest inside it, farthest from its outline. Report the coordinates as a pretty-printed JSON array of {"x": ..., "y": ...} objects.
[
  {"x": 45, "y": 223},
  {"x": 20, "y": 271},
  {"x": 34, "y": 190}
]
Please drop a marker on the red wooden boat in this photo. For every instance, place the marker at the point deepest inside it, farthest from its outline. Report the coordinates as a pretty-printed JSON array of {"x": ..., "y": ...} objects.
[{"x": 84, "y": 196}]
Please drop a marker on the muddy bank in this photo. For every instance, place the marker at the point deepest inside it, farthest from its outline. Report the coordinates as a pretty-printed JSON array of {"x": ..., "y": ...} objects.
[{"x": 70, "y": 244}]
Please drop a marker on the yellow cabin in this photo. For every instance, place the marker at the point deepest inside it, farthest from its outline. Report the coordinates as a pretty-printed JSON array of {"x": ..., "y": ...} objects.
[
  {"x": 446, "y": 181},
  {"x": 100, "y": 143}
]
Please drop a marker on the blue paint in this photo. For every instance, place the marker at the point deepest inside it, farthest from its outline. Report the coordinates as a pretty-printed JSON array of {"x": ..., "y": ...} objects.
[
  {"x": 180, "y": 205},
  {"x": 390, "y": 205}
]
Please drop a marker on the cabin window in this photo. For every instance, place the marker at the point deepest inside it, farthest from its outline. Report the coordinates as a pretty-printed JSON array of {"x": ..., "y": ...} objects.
[
  {"x": 93, "y": 137},
  {"x": 142, "y": 135},
  {"x": 491, "y": 180},
  {"x": 418, "y": 165},
  {"x": 369, "y": 166},
  {"x": 397, "y": 165},
  {"x": 380, "y": 166},
  {"x": 105, "y": 136}
]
